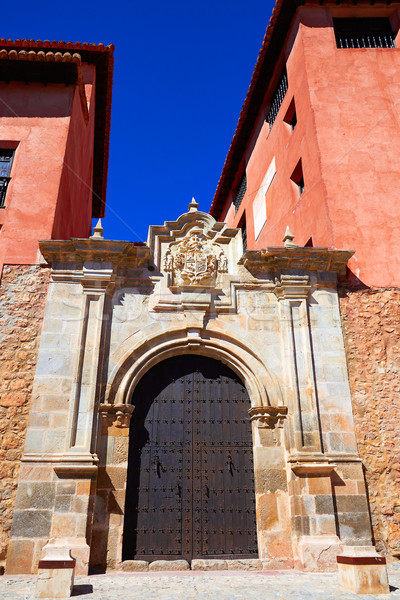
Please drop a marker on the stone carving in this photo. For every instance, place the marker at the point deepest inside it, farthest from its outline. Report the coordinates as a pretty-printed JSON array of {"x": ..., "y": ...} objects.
[
  {"x": 195, "y": 260},
  {"x": 222, "y": 263},
  {"x": 268, "y": 417},
  {"x": 168, "y": 261},
  {"x": 118, "y": 415}
]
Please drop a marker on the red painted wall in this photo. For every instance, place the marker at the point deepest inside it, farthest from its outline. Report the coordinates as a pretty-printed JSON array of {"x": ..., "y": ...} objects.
[
  {"x": 348, "y": 138},
  {"x": 49, "y": 194}
]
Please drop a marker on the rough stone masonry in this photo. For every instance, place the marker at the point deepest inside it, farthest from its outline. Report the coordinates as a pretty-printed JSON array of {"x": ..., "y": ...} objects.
[
  {"x": 22, "y": 300},
  {"x": 371, "y": 329}
]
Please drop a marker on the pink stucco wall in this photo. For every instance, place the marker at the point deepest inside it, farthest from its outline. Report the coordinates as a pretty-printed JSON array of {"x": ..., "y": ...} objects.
[
  {"x": 348, "y": 138},
  {"x": 49, "y": 195}
]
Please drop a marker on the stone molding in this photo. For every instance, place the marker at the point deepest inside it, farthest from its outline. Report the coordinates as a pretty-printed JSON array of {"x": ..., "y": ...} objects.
[
  {"x": 87, "y": 458},
  {"x": 77, "y": 250},
  {"x": 118, "y": 415},
  {"x": 292, "y": 287},
  {"x": 263, "y": 387},
  {"x": 308, "y": 259},
  {"x": 268, "y": 417}
]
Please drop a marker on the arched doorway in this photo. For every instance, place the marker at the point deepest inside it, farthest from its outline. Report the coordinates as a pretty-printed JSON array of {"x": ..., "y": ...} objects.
[{"x": 190, "y": 489}]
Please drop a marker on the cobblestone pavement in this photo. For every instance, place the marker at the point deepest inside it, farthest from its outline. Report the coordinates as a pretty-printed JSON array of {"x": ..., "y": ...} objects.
[{"x": 200, "y": 585}]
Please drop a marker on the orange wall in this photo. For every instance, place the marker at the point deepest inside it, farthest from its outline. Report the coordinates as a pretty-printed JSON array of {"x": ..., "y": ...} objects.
[
  {"x": 73, "y": 216},
  {"x": 347, "y": 135},
  {"x": 48, "y": 195}
]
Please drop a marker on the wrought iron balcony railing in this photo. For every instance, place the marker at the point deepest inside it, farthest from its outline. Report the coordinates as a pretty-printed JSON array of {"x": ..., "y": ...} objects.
[
  {"x": 4, "y": 181},
  {"x": 380, "y": 41},
  {"x": 364, "y": 33},
  {"x": 277, "y": 98}
]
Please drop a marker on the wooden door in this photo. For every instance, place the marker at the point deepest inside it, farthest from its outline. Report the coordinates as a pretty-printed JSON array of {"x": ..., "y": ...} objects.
[{"x": 190, "y": 491}]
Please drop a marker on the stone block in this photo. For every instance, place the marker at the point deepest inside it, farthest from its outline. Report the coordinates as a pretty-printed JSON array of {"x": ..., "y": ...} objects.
[
  {"x": 55, "y": 574},
  {"x": 318, "y": 553},
  {"x": 31, "y": 523},
  {"x": 66, "y": 487},
  {"x": 83, "y": 487},
  {"x": 63, "y": 503},
  {"x": 319, "y": 485},
  {"x": 244, "y": 564},
  {"x": 131, "y": 566},
  {"x": 301, "y": 525},
  {"x": 35, "y": 495},
  {"x": 54, "y": 441},
  {"x": 267, "y": 511},
  {"x": 111, "y": 478},
  {"x": 200, "y": 564},
  {"x": 80, "y": 504},
  {"x": 324, "y": 504},
  {"x": 349, "y": 504},
  {"x": 354, "y": 526},
  {"x": 63, "y": 525},
  {"x": 169, "y": 565},
  {"x": 270, "y": 480},
  {"x": 20, "y": 557},
  {"x": 34, "y": 440},
  {"x": 363, "y": 574},
  {"x": 121, "y": 447}
]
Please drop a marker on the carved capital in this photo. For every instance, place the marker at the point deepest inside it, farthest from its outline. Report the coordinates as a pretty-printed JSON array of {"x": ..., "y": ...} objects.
[
  {"x": 116, "y": 415},
  {"x": 293, "y": 287},
  {"x": 268, "y": 417}
]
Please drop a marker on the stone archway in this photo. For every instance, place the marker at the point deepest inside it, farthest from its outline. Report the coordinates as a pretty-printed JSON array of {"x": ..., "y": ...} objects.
[{"x": 190, "y": 487}]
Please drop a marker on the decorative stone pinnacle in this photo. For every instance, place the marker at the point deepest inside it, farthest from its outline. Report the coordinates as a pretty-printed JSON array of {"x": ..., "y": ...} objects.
[
  {"x": 288, "y": 239},
  {"x": 97, "y": 231},
  {"x": 193, "y": 206}
]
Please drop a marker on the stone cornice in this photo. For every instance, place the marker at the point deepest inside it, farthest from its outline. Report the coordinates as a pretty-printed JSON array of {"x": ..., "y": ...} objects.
[
  {"x": 307, "y": 259},
  {"x": 77, "y": 250}
]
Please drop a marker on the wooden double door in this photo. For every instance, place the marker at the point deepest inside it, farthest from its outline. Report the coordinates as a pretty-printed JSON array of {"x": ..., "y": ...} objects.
[{"x": 190, "y": 490}]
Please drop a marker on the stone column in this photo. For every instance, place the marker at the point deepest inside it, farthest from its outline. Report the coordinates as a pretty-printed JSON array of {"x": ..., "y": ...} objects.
[
  {"x": 113, "y": 442},
  {"x": 312, "y": 510},
  {"x": 57, "y": 482},
  {"x": 271, "y": 488}
]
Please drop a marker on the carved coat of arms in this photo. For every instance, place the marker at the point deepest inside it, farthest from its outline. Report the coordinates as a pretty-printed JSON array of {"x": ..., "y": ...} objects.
[{"x": 195, "y": 260}]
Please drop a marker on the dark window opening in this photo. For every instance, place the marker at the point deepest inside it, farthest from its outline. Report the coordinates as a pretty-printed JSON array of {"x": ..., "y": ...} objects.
[
  {"x": 364, "y": 33},
  {"x": 244, "y": 233},
  {"x": 309, "y": 243},
  {"x": 6, "y": 159},
  {"x": 277, "y": 98},
  {"x": 290, "y": 117},
  {"x": 240, "y": 192},
  {"x": 297, "y": 177}
]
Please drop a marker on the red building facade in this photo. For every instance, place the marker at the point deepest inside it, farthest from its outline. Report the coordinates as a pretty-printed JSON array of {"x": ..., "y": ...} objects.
[
  {"x": 325, "y": 116},
  {"x": 55, "y": 106},
  {"x": 316, "y": 149}
]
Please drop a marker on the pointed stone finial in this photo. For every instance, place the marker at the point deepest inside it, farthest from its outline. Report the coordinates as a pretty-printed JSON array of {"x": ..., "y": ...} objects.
[
  {"x": 193, "y": 206},
  {"x": 97, "y": 231},
  {"x": 288, "y": 239}
]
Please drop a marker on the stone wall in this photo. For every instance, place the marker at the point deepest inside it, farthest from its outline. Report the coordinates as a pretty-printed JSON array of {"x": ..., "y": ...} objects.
[
  {"x": 371, "y": 328},
  {"x": 22, "y": 300}
]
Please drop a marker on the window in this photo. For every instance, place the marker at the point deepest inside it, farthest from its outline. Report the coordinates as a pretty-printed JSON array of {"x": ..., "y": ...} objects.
[
  {"x": 291, "y": 118},
  {"x": 6, "y": 159},
  {"x": 262, "y": 201},
  {"x": 297, "y": 177},
  {"x": 244, "y": 233},
  {"x": 277, "y": 98},
  {"x": 240, "y": 192},
  {"x": 364, "y": 33}
]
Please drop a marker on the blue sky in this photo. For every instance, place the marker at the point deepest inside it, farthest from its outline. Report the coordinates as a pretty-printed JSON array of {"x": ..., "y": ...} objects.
[{"x": 182, "y": 70}]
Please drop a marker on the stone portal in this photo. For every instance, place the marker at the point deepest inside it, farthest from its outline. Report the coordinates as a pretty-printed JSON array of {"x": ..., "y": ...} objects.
[
  {"x": 115, "y": 311},
  {"x": 190, "y": 488}
]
